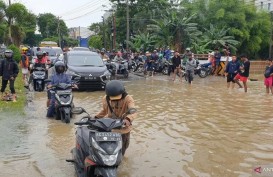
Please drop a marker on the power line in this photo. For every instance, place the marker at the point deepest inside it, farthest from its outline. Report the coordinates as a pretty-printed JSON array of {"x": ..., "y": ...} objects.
[
  {"x": 95, "y": 10},
  {"x": 80, "y": 8}
]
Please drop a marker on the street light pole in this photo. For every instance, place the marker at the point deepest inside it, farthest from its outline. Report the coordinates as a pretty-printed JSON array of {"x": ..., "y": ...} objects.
[
  {"x": 128, "y": 27},
  {"x": 270, "y": 44},
  {"x": 104, "y": 41}
]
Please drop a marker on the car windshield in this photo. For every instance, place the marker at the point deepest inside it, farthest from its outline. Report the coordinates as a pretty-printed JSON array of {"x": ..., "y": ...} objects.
[
  {"x": 85, "y": 60},
  {"x": 50, "y": 51},
  {"x": 58, "y": 50}
]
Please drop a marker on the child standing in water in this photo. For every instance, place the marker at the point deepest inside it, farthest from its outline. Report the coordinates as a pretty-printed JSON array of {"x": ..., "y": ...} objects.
[{"x": 268, "y": 76}]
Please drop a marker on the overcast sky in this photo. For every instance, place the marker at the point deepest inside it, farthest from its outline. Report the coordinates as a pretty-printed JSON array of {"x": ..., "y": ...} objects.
[{"x": 74, "y": 12}]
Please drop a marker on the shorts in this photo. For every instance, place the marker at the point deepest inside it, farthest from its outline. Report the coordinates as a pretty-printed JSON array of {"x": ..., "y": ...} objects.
[
  {"x": 268, "y": 81},
  {"x": 241, "y": 78},
  {"x": 217, "y": 62},
  {"x": 230, "y": 77}
]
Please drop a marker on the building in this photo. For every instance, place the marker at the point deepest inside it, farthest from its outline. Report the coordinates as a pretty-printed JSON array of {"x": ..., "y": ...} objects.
[
  {"x": 264, "y": 4},
  {"x": 82, "y": 32}
]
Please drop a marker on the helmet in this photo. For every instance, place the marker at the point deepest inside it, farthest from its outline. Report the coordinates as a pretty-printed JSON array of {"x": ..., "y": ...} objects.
[
  {"x": 188, "y": 49},
  {"x": 24, "y": 49},
  {"x": 59, "y": 67},
  {"x": 114, "y": 89},
  {"x": 103, "y": 50},
  {"x": 39, "y": 55},
  {"x": 8, "y": 54}
]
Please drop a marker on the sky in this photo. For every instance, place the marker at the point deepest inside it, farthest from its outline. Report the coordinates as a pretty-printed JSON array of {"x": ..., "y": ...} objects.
[{"x": 75, "y": 13}]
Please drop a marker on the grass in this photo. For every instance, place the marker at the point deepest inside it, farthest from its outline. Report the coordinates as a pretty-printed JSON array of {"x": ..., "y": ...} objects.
[{"x": 18, "y": 106}]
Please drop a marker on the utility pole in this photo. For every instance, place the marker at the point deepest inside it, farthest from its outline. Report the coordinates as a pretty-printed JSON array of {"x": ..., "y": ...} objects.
[
  {"x": 59, "y": 33},
  {"x": 114, "y": 26},
  {"x": 128, "y": 27},
  {"x": 270, "y": 42},
  {"x": 104, "y": 40}
]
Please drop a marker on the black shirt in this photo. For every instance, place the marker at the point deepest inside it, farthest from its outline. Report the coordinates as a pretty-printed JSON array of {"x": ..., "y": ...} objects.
[
  {"x": 176, "y": 61},
  {"x": 245, "y": 71}
]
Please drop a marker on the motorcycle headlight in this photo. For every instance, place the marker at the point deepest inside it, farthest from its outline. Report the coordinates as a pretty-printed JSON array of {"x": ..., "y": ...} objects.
[{"x": 108, "y": 160}]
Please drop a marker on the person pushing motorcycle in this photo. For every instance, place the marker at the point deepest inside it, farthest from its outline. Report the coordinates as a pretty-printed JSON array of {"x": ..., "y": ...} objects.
[{"x": 115, "y": 104}]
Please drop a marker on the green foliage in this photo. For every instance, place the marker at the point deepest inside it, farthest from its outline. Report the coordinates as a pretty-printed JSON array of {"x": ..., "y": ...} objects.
[
  {"x": 96, "y": 42},
  {"x": 16, "y": 52},
  {"x": 48, "y": 25}
]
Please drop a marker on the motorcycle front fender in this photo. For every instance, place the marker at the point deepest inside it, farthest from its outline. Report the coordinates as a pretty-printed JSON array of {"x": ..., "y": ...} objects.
[{"x": 106, "y": 171}]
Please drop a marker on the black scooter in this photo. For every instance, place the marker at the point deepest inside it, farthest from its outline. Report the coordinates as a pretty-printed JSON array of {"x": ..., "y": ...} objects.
[
  {"x": 98, "y": 150},
  {"x": 63, "y": 101},
  {"x": 39, "y": 76}
]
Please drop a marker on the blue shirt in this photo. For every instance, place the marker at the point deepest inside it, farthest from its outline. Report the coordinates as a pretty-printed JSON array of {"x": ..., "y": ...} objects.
[
  {"x": 232, "y": 67},
  {"x": 60, "y": 78}
]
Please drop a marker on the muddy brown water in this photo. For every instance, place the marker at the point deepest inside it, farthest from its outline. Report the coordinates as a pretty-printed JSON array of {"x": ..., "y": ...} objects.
[{"x": 200, "y": 130}]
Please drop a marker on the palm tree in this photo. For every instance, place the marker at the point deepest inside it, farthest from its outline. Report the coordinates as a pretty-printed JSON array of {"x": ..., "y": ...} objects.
[
  {"x": 142, "y": 41},
  {"x": 218, "y": 37}
]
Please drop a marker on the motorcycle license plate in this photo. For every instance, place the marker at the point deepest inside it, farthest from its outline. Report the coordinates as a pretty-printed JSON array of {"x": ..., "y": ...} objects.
[
  {"x": 90, "y": 78},
  {"x": 107, "y": 136}
]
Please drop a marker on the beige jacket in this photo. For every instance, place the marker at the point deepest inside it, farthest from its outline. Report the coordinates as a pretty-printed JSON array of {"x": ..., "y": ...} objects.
[{"x": 119, "y": 108}]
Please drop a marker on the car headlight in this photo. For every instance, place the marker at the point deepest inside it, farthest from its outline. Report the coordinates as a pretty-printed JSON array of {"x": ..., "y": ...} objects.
[
  {"x": 107, "y": 74},
  {"x": 72, "y": 73}
]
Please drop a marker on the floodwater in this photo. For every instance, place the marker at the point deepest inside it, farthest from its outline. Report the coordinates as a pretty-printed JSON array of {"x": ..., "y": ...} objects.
[{"x": 181, "y": 130}]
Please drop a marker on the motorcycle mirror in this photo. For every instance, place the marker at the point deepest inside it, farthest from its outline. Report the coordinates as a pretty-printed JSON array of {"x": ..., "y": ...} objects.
[
  {"x": 131, "y": 111},
  {"x": 78, "y": 110}
]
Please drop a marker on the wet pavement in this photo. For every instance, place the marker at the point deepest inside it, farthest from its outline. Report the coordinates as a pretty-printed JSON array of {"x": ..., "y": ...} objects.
[{"x": 181, "y": 130}]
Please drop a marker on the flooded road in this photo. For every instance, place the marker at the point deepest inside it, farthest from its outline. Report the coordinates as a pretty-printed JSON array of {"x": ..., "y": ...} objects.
[{"x": 200, "y": 130}]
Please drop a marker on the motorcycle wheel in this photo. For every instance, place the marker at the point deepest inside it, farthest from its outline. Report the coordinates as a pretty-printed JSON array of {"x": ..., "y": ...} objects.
[
  {"x": 165, "y": 70},
  {"x": 67, "y": 118},
  {"x": 58, "y": 115},
  {"x": 126, "y": 74},
  {"x": 202, "y": 73}
]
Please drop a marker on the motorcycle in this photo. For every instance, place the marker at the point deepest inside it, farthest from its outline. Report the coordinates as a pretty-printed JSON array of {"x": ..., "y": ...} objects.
[
  {"x": 122, "y": 70},
  {"x": 98, "y": 150},
  {"x": 39, "y": 76},
  {"x": 63, "y": 101}
]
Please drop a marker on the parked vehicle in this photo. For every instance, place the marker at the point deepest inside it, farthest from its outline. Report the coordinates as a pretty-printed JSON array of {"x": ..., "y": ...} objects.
[
  {"x": 63, "y": 101},
  {"x": 87, "y": 69},
  {"x": 39, "y": 76},
  {"x": 98, "y": 150},
  {"x": 80, "y": 49},
  {"x": 122, "y": 71}
]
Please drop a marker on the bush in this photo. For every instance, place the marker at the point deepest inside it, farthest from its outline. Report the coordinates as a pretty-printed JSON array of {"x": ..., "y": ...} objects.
[{"x": 16, "y": 52}]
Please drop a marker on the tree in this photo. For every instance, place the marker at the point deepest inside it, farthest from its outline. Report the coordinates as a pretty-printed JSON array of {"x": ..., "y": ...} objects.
[
  {"x": 48, "y": 25},
  {"x": 20, "y": 21},
  {"x": 96, "y": 42},
  {"x": 143, "y": 41},
  {"x": 16, "y": 52}
]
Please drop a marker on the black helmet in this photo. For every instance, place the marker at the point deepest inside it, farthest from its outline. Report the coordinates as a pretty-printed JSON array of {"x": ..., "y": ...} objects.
[
  {"x": 59, "y": 67},
  {"x": 8, "y": 54},
  {"x": 114, "y": 89},
  {"x": 39, "y": 55}
]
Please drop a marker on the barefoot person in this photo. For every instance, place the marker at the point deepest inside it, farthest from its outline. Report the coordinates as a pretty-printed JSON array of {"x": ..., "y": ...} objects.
[
  {"x": 243, "y": 72},
  {"x": 231, "y": 71},
  {"x": 268, "y": 76},
  {"x": 176, "y": 65}
]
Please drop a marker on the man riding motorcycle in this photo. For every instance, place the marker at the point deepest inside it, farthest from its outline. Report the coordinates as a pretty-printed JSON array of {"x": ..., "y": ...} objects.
[
  {"x": 115, "y": 104},
  {"x": 59, "y": 77},
  {"x": 118, "y": 59}
]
